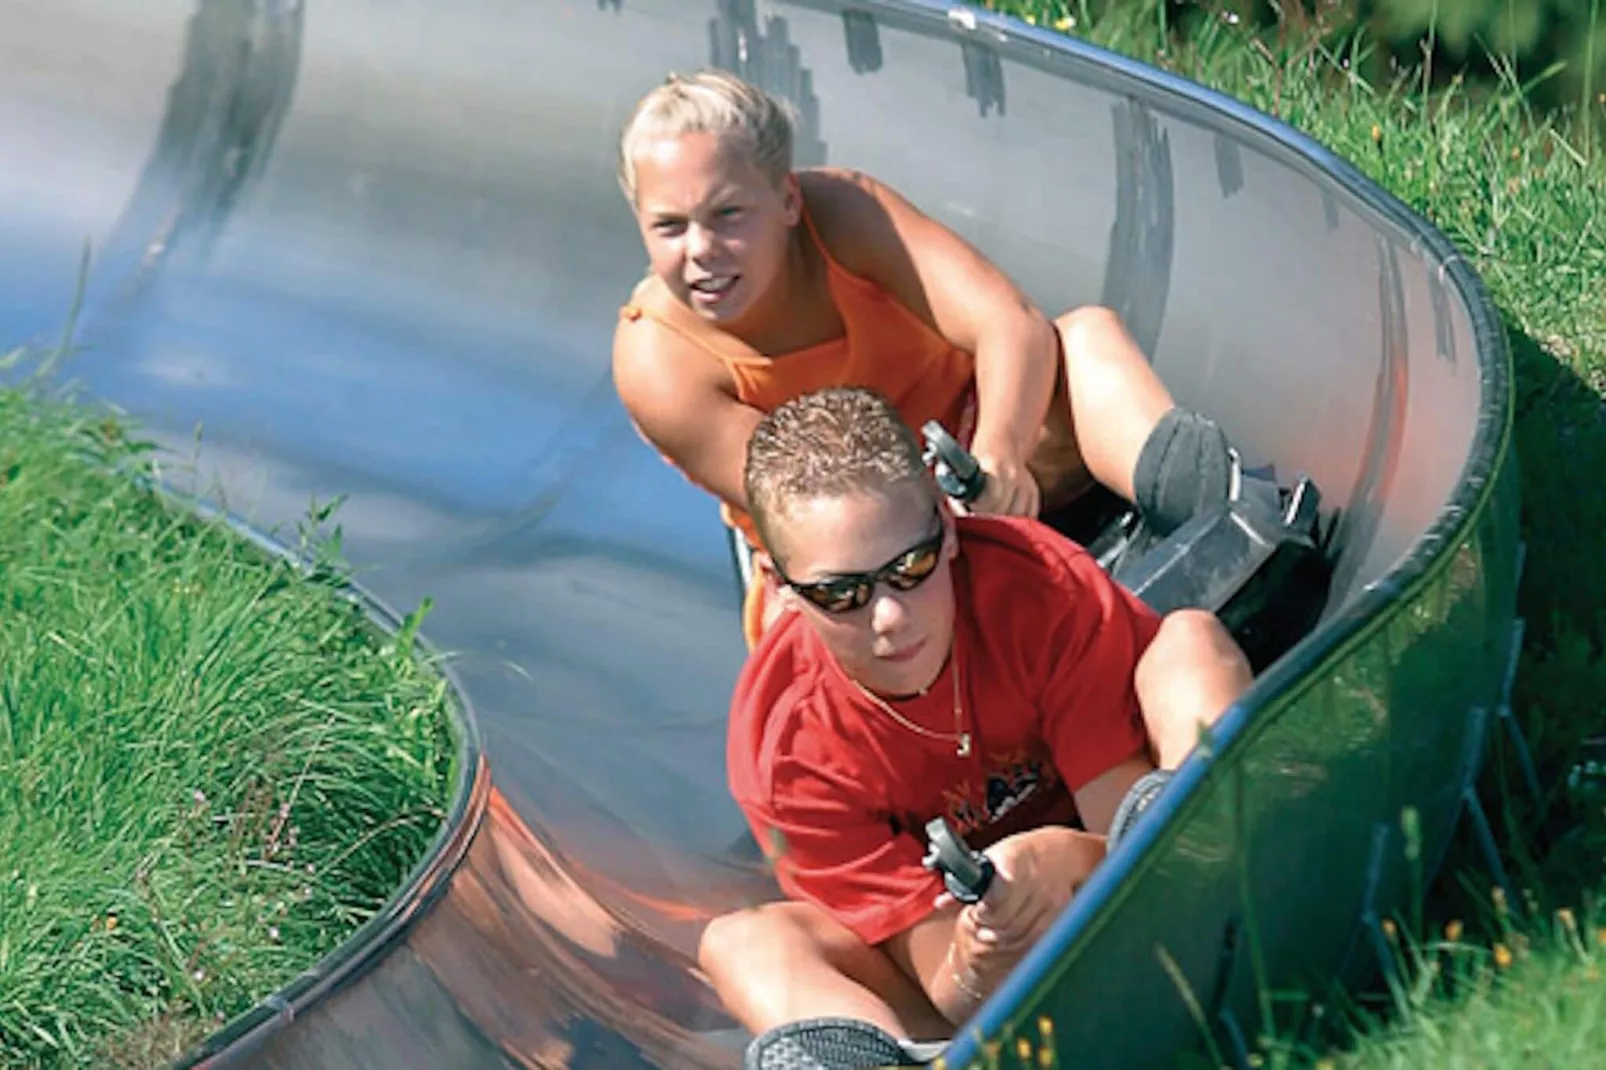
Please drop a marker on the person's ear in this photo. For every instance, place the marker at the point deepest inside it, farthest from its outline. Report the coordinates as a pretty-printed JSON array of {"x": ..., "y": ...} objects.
[
  {"x": 792, "y": 199},
  {"x": 764, "y": 569},
  {"x": 950, "y": 528}
]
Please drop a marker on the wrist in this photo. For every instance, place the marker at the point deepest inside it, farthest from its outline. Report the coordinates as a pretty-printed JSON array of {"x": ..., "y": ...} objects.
[
  {"x": 997, "y": 448},
  {"x": 959, "y": 990}
]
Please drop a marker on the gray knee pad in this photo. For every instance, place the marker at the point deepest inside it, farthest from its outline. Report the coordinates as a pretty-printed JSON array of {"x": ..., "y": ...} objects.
[{"x": 1185, "y": 466}]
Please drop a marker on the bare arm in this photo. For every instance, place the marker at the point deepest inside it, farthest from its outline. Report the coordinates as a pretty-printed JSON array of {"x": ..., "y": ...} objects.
[
  {"x": 680, "y": 403},
  {"x": 960, "y": 954},
  {"x": 930, "y": 954},
  {"x": 962, "y": 294}
]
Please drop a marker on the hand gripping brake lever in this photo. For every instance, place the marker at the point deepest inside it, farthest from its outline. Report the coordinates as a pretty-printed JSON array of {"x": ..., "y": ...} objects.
[
  {"x": 967, "y": 873},
  {"x": 957, "y": 472}
]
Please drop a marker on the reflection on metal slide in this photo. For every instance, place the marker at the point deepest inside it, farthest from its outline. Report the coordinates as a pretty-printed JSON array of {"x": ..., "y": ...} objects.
[{"x": 376, "y": 248}]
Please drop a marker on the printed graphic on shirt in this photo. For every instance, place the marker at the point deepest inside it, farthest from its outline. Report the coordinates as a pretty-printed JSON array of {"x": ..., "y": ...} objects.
[{"x": 1015, "y": 777}]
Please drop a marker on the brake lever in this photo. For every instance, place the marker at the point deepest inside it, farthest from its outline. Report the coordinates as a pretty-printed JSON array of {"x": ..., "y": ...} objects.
[
  {"x": 966, "y": 872},
  {"x": 958, "y": 474}
]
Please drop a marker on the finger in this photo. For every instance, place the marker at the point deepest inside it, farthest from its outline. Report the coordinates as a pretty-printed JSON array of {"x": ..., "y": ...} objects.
[
  {"x": 1010, "y": 913},
  {"x": 1017, "y": 938}
]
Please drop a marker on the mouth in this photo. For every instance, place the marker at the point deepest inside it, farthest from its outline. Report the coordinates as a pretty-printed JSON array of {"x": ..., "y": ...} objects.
[
  {"x": 907, "y": 654},
  {"x": 713, "y": 288}
]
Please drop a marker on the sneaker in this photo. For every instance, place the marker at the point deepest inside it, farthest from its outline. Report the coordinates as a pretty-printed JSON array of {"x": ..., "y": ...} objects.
[
  {"x": 835, "y": 1044},
  {"x": 1139, "y": 797}
]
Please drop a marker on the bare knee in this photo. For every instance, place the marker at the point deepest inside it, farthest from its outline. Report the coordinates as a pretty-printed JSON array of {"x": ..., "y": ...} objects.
[
  {"x": 796, "y": 927},
  {"x": 1188, "y": 643},
  {"x": 1097, "y": 347},
  {"x": 1116, "y": 398},
  {"x": 1190, "y": 674},
  {"x": 1080, "y": 324},
  {"x": 785, "y": 961},
  {"x": 729, "y": 937}
]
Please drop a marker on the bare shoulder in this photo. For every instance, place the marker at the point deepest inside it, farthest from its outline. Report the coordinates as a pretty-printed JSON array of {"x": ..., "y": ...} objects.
[
  {"x": 658, "y": 371},
  {"x": 845, "y": 188},
  {"x": 878, "y": 234},
  {"x": 857, "y": 217}
]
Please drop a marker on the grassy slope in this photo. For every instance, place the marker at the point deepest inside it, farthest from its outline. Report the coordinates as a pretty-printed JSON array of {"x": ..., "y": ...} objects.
[
  {"x": 1524, "y": 197},
  {"x": 210, "y": 771}
]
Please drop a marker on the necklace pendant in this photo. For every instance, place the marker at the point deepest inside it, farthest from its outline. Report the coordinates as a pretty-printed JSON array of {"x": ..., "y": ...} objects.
[{"x": 964, "y": 744}]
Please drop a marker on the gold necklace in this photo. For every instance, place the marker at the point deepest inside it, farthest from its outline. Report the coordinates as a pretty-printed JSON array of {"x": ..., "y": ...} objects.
[{"x": 960, "y": 737}]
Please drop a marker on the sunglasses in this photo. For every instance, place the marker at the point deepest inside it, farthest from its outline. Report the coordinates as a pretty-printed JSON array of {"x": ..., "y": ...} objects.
[{"x": 852, "y": 590}]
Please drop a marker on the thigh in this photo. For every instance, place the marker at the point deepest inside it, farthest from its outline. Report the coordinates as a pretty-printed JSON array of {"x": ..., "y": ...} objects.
[
  {"x": 786, "y": 961},
  {"x": 1056, "y": 463}
]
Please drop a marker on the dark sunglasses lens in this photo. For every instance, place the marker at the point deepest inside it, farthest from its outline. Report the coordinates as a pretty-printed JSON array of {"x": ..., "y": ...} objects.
[
  {"x": 837, "y": 596},
  {"x": 847, "y": 593},
  {"x": 915, "y": 568}
]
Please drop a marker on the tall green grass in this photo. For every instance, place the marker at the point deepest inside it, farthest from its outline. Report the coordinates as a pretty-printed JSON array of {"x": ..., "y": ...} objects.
[
  {"x": 1522, "y": 194},
  {"x": 211, "y": 770}
]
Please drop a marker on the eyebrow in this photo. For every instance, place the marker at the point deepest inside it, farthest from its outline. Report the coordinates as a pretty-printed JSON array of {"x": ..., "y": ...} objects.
[
  {"x": 929, "y": 537},
  {"x": 719, "y": 199}
]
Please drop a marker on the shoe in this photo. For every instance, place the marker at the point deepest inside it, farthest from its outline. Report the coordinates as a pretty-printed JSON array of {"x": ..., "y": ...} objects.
[
  {"x": 835, "y": 1044},
  {"x": 1138, "y": 798}
]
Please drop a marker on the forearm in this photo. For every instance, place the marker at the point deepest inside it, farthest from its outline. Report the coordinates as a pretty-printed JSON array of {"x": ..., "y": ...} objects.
[
  {"x": 1015, "y": 374},
  {"x": 1040, "y": 871},
  {"x": 956, "y": 989}
]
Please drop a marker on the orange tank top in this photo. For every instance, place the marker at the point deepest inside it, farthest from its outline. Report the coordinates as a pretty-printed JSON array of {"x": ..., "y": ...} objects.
[{"x": 885, "y": 346}]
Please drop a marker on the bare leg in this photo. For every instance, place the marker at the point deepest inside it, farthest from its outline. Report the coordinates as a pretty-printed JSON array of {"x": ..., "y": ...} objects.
[
  {"x": 786, "y": 961},
  {"x": 1115, "y": 398},
  {"x": 1186, "y": 679}
]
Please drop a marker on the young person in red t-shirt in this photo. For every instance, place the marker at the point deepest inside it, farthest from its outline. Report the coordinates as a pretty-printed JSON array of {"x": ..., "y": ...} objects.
[{"x": 979, "y": 668}]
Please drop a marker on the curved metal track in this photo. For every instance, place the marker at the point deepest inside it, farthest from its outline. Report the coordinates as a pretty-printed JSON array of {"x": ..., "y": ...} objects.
[{"x": 376, "y": 249}]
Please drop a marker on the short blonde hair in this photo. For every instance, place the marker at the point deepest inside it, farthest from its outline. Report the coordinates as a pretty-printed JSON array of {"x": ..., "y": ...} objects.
[
  {"x": 715, "y": 102},
  {"x": 830, "y": 443}
]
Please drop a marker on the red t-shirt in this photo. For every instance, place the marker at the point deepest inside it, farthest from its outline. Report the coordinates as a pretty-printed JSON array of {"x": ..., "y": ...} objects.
[{"x": 838, "y": 793}]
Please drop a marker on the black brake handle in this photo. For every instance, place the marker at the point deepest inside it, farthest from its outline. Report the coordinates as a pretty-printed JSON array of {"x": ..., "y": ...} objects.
[
  {"x": 966, "y": 872},
  {"x": 958, "y": 474}
]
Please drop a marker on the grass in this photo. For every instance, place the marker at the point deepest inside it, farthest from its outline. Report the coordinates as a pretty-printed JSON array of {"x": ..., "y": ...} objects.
[
  {"x": 1523, "y": 196},
  {"x": 211, "y": 770},
  {"x": 209, "y": 774}
]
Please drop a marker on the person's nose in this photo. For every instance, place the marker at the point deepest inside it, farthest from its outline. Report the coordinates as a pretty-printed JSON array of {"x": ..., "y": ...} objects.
[
  {"x": 700, "y": 241},
  {"x": 888, "y": 613}
]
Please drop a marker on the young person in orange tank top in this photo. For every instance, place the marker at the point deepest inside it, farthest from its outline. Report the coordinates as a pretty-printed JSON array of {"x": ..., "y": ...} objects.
[{"x": 766, "y": 283}]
